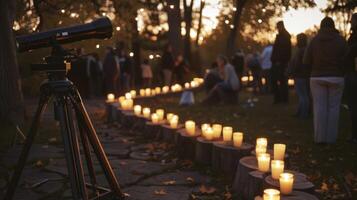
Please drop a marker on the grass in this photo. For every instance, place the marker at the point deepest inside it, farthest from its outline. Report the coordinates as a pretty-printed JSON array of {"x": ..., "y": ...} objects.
[{"x": 330, "y": 167}]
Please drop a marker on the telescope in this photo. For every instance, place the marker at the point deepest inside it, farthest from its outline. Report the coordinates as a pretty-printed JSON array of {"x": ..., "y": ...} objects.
[{"x": 98, "y": 29}]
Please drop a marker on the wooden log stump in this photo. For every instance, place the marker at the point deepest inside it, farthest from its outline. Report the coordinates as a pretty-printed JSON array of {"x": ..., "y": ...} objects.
[
  {"x": 297, "y": 195},
  {"x": 140, "y": 124},
  {"x": 246, "y": 164},
  {"x": 225, "y": 156},
  {"x": 153, "y": 131},
  {"x": 301, "y": 183},
  {"x": 186, "y": 144},
  {"x": 170, "y": 134},
  {"x": 203, "y": 153},
  {"x": 119, "y": 115},
  {"x": 128, "y": 119},
  {"x": 254, "y": 185},
  {"x": 111, "y": 111}
]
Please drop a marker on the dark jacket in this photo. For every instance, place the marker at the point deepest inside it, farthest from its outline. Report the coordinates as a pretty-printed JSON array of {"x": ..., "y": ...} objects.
[
  {"x": 351, "y": 56},
  {"x": 167, "y": 60},
  {"x": 325, "y": 54},
  {"x": 282, "y": 48},
  {"x": 297, "y": 68}
]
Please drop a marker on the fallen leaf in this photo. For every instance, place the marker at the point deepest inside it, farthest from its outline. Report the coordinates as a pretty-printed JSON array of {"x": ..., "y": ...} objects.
[
  {"x": 160, "y": 192},
  {"x": 190, "y": 179},
  {"x": 207, "y": 190},
  {"x": 349, "y": 177},
  {"x": 123, "y": 163},
  {"x": 39, "y": 163},
  {"x": 324, "y": 187},
  {"x": 172, "y": 182}
]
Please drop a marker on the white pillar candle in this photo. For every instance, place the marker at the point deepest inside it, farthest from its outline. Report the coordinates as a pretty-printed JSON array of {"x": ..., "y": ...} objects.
[
  {"x": 286, "y": 181},
  {"x": 153, "y": 92},
  {"x": 193, "y": 84},
  {"x": 190, "y": 127},
  {"x": 128, "y": 95},
  {"x": 155, "y": 118},
  {"x": 259, "y": 149},
  {"x": 174, "y": 121},
  {"x": 262, "y": 142},
  {"x": 165, "y": 89},
  {"x": 227, "y": 133},
  {"x": 277, "y": 167},
  {"x": 271, "y": 194},
  {"x": 147, "y": 92},
  {"x": 146, "y": 112},
  {"x": 169, "y": 116},
  {"x": 209, "y": 135},
  {"x": 187, "y": 85},
  {"x": 157, "y": 90},
  {"x": 130, "y": 104},
  {"x": 110, "y": 97},
  {"x": 133, "y": 93},
  {"x": 121, "y": 99},
  {"x": 160, "y": 113},
  {"x": 263, "y": 162},
  {"x": 137, "y": 110},
  {"x": 279, "y": 151},
  {"x": 217, "y": 130},
  {"x": 142, "y": 92},
  {"x": 237, "y": 139},
  {"x": 173, "y": 88},
  {"x": 204, "y": 127}
]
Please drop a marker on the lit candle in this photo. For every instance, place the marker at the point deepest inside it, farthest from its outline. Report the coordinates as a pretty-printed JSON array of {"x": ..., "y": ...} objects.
[
  {"x": 190, "y": 127},
  {"x": 121, "y": 100},
  {"x": 259, "y": 149},
  {"x": 165, "y": 89},
  {"x": 209, "y": 135},
  {"x": 174, "y": 121},
  {"x": 204, "y": 127},
  {"x": 130, "y": 104},
  {"x": 173, "y": 88},
  {"x": 217, "y": 130},
  {"x": 153, "y": 92},
  {"x": 142, "y": 92},
  {"x": 137, "y": 110},
  {"x": 146, "y": 112},
  {"x": 227, "y": 133},
  {"x": 187, "y": 85},
  {"x": 193, "y": 84},
  {"x": 110, "y": 97},
  {"x": 169, "y": 116},
  {"x": 147, "y": 92},
  {"x": 271, "y": 194},
  {"x": 279, "y": 151},
  {"x": 160, "y": 114},
  {"x": 133, "y": 93},
  {"x": 155, "y": 118},
  {"x": 158, "y": 90},
  {"x": 262, "y": 142},
  {"x": 264, "y": 162},
  {"x": 128, "y": 95},
  {"x": 277, "y": 167},
  {"x": 237, "y": 139},
  {"x": 286, "y": 181}
]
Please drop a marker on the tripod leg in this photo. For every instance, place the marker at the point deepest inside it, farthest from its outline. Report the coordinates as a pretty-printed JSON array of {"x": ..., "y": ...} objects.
[
  {"x": 44, "y": 98},
  {"x": 71, "y": 147},
  {"x": 97, "y": 146},
  {"x": 88, "y": 158}
]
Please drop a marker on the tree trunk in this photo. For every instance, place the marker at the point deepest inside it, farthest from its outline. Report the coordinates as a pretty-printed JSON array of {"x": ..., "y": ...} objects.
[
  {"x": 236, "y": 25},
  {"x": 188, "y": 25},
  {"x": 135, "y": 42},
  {"x": 11, "y": 99},
  {"x": 202, "y": 5},
  {"x": 174, "y": 21}
]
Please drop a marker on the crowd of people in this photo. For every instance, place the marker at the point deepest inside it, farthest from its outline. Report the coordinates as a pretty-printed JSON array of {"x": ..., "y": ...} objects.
[{"x": 323, "y": 69}]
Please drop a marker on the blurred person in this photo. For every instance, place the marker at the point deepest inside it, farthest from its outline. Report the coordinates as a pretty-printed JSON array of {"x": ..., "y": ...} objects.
[
  {"x": 227, "y": 88},
  {"x": 95, "y": 74},
  {"x": 253, "y": 65},
  {"x": 211, "y": 78},
  {"x": 325, "y": 55},
  {"x": 301, "y": 75},
  {"x": 351, "y": 77},
  {"x": 238, "y": 63},
  {"x": 111, "y": 70},
  {"x": 125, "y": 68},
  {"x": 280, "y": 58},
  {"x": 265, "y": 64},
  {"x": 180, "y": 69},
  {"x": 167, "y": 64},
  {"x": 146, "y": 73},
  {"x": 78, "y": 73}
]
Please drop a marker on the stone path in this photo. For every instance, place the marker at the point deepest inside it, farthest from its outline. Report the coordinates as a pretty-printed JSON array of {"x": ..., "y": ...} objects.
[{"x": 146, "y": 170}]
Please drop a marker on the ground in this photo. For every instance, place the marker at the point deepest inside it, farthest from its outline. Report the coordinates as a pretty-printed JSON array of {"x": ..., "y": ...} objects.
[{"x": 150, "y": 170}]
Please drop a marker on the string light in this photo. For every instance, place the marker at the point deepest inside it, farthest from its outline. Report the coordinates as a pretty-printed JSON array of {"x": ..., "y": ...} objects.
[
  {"x": 151, "y": 57},
  {"x": 97, "y": 46},
  {"x": 118, "y": 28},
  {"x": 260, "y": 21},
  {"x": 231, "y": 26},
  {"x": 226, "y": 21},
  {"x": 63, "y": 11},
  {"x": 172, "y": 6},
  {"x": 131, "y": 54},
  {"x": 234, "y": 9}
]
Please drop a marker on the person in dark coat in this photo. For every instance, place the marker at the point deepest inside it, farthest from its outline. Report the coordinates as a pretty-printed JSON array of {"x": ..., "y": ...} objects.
[
  {"x": 180, "y": 69},
  {"x": 280, "y": 58},
  {"x": 301, "y": 74},
  {"x": 351, "y": 77},
  {"x": 167, "y": 64},
  {"x": 79, "y": 74},
  {"x": 325, "y": 54},
  {"x": 238, "y": 63},
  {"x": 111, "y": 72}
]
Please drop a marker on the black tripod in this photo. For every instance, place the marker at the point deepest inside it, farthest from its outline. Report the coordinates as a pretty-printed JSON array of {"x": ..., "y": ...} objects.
[{"x": 68, "y": 102}]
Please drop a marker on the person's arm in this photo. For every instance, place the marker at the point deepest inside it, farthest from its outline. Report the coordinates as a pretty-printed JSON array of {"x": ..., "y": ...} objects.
[{"x": 307, "y": 59}]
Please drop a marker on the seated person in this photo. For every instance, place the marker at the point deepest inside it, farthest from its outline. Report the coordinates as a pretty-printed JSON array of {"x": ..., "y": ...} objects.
[{"x": 224, "y": 80}]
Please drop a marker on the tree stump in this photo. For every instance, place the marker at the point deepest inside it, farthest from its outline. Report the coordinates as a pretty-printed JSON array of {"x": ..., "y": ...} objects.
[
  {"x": 296, "y": 195},
  {"x": 153, "y": 131},
  {"x": 140, "y": 124},
  {"x": 186, "y": 144},
  {"x": 128, "y": 119},
  {"x": 203, "y": 153},
  {"x": 225, "y": 156},
  {"x": 170, "y": 134},
  {"x": 300, "y": 183},
  {"x": 254, "y": 185},
  {"x": 110, "y": 108},
  {"x": 119, "y": 115},
  {"x": 245, "y": 165}
]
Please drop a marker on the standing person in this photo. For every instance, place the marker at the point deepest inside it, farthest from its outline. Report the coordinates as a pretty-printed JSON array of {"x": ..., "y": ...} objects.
[
  {"x": 325, "y": 54},
  {"x": 301, "y": 75},
  {"x": 125, "y": 69},
  {"x": 111, "y": 70},
  {"x": 78, "y": 73},
  {"x": 167, "y": 64},
  {"x": 351, "y": 77},
  {"x": 146, "y": 73},
  {"x": 94, "y": 71},
  {"x": 181, "y": 67},
  {"x": 280, "y": 58},
  {"x": 253, "y": 65},
  {"x": 265, "y": 64},
  {"x": 238, "y": 63}
]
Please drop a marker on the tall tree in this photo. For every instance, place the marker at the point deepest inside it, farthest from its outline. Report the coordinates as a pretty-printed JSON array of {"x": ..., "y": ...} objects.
[
  {"x": 188, "y": 25},
  {"x": 202, "y": 5},
  {"x": 174, "y": 21},
  {"x": 11, "y": 100}
]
